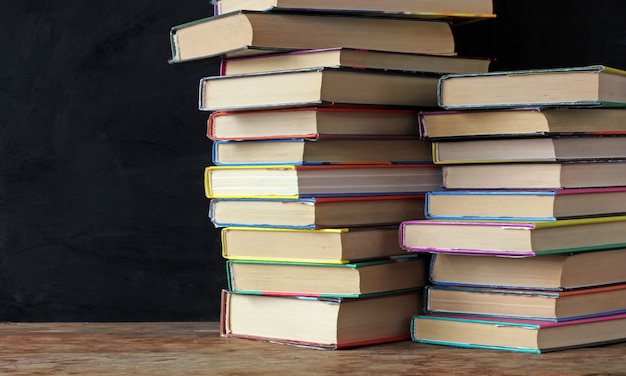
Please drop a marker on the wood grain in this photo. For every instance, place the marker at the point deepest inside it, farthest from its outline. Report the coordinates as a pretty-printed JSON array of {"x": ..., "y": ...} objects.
[{"x": 195, "y": 348}]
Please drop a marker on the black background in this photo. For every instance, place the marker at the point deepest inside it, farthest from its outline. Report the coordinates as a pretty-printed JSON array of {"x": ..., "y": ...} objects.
[{"x": 102, "y": 211}]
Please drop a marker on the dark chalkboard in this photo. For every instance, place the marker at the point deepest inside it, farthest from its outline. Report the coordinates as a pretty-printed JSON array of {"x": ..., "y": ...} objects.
[{"x": 102, "y": 211}]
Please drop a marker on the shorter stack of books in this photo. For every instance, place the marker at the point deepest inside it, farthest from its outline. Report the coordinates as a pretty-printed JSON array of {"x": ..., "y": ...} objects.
[{"x": 528, "y": 236}]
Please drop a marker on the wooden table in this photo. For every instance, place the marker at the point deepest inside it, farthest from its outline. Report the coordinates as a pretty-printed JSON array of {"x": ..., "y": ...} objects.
[{"x": 191, "y": 348}]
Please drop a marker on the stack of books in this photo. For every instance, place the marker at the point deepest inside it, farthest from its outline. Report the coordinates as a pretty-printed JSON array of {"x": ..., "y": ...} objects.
[
  {"x": 528, "y": 235},
  {"x": 317, "y": 159}
]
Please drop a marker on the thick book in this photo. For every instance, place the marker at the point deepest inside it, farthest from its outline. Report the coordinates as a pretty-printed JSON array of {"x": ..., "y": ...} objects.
[
  {"x": 319, "y": 322},
  {"x": 535, "y": 149},
  {"x": 303, "y": 151},
  {"x": 530, "y": 336},
  {"x": 595, "y": 85},
  {"x": 528, "y": 205},
  {"x": 353, "y": 280},
  {"x": 299, "y": 181},
  {"x": 243, "y": 33},
  {"x": 452, "y": 10},
  {"x": 312, "y": 122},
  {"x": 513, "y": 238},
  {"x": 526, "y": 304},
  {"x": 546, "y": 272},
  {"x": 546, "y": 175},
  {"x": 316, "y": 212},
  {"x": 331, "y": 246},
  {"x": 353, "y": 58},
  {"x": 316, "y": 87},
  {"x": 518, "y": 122}
]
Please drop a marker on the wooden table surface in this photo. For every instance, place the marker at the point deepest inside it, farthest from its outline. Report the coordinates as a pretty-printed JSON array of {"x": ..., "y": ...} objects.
[{"x": 195, "y": 348}]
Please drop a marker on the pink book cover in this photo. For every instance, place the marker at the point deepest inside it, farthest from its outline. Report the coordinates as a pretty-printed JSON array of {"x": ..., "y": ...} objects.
[{"x": 581, "y": 223}]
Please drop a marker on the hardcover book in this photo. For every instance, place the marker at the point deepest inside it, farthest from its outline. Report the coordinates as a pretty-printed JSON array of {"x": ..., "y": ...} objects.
[
  {"x": 311, "y": 122},
  {"x": 339, "y": 57},
  {"x": 316, "y": 87},
  {"x": 518, "y": 122},
  {"x": 513, "y": 238},
  {"x": 526, "y": 205},
  {"x": 302, "y": 151},
  {"x": 556, "y": 272},
  {"x": 353, "y": 280},
  {"x": 319, "y": 322},
  {"x": 595, "y": 85},
  {"x": 300, "y": 181},
  {"x": 453, "y": 10},
  {"x": 331, "y": 246},
  {"x": 526, "y": 304},
  {"x": 517, "y": 335},
  {"x": 547, "y": 175},
  {"x": 316, "y": 212},
  {"x": 536, "y": 149},
  {"x": 243, "y": 33}
]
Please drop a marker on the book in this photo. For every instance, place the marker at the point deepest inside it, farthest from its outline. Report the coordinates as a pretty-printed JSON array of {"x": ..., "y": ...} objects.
[
  {"x": 351, "y": 280},
  {"x": 547, "y": 175},
  {"x": 448, "y": 9},
  {"x": 303, "y": 151},
  {"x": 325, "y": 323},
  {"x": 513, "y": 238},
  {"x": 299, "y": 181},
  {"x": 536, "y": 149},
  {"x": 526, "y": 304},
  {"x": 529, "y": 205},
  {"x": 242, "y": 33},
  {"x": 353, "y": 58},
  {"x": 594, "y": 85},
  {"x": 330, "y": 246},
  {"x": 546, "y": 272},
  {"x": 530, "y": 336},
  {"x": 316, "y": 212},
  {"x": 318, "y": 86},
  {"x": 517, "y": 122},
  {"x": 311, "y": 122}
]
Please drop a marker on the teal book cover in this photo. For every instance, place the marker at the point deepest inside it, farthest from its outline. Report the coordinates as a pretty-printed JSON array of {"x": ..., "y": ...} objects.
[
  {"x": 529, "y": 336},
  {"x": 585, "y": 86},
  {"x": 352, "y": 280}
]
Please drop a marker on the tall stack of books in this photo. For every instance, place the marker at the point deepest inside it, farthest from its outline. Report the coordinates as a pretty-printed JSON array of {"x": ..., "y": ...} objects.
[
  {"x": 317, "y": 159},
  {"x": 528, "y": 234}
]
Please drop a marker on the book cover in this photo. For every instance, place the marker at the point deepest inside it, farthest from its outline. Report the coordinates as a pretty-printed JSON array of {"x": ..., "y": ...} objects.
[
  {"x": 557, "y": 272},
  {"x": 351, "y": 280},
  {"x": 607, "y": 147},
  {"x": 315, "y": 212},
  {"x": 312, "y": 123},
  {"x": 521, "y": 122},
  {"x": 535, "y": 176},
  {"x": 511, "y": 238},
  {"x": 320, "y": 86},
  {"x": 541, "y": 305},
  {"x": 528, "y": 336},
  {"x": 313, "y": 322},
  {"x": 265, "y": 32},
  {"x": 524, "y": 205},
  {"x": 300, "y": 181},
  {"x": 328, "y": 246},
  {"x": 557, "y": 87},
  {"x": 318, "y": 152},
  {"x": 353, "y": 58},
  {"x": 451, "y": 11}
]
